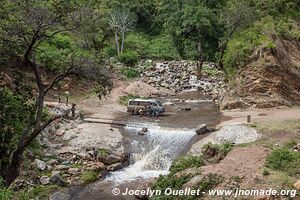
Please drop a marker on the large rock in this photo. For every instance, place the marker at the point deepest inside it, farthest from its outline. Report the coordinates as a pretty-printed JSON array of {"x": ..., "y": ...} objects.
[
  {"x": 114, "y": 167},
  {"x": 187, "y": 172},
  {"x": 297, "y": 185},
  {"x": 201, "y": 129},
  {"x": 95, "y": 166},
  {"x": 44, "y": 180},
  {"x": 73, "y": 171},
  {"x": 57, "y": 179},
  {"x": 193, "y": 182},
  {"x": 41, "y": 165},
  {"x": 60, "y": 196},
  {"x": 111, "y": 159}
]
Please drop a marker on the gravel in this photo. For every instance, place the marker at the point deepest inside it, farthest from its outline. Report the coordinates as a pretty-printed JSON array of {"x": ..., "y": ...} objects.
[{"x": 236, "y": 134}]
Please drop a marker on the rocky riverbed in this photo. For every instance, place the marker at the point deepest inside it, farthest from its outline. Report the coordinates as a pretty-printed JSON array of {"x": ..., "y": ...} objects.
[{"x": 182, "y": 75}]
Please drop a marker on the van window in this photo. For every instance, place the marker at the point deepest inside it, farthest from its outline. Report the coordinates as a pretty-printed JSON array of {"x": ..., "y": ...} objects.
[
  {"x": 133, "y": 103},
  {"x": 144, "y": 103}
]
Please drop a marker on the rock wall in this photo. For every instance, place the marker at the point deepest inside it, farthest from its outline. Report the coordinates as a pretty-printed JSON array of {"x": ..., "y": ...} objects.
[{"x": 272, "y": 78}]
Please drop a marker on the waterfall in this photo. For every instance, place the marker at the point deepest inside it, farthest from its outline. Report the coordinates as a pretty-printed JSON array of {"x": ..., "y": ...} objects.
[{"x": 153, "y": 153}]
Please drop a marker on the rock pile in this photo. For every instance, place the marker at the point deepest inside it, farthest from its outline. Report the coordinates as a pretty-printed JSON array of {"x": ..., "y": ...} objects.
[{"x": 181, "y": 75}]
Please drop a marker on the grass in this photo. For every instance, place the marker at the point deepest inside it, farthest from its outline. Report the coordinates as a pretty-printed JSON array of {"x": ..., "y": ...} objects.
[
  {"x": 210, "y": 71},
  {"x": 102, "y": 153},
  {"x": 185, "y": 162},
  {"x": 36, "y": 192},
  {"x": 216, "y": 151},
  {"x": 277, "y": 125},
  {"x": 130, "y": 72},
  {"x": 285, "y": 160},
  {"x": 88, "y": 177}
]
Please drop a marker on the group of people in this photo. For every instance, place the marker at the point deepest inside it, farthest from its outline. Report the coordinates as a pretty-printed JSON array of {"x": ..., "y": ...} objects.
[{"x": 149, "y": 110}]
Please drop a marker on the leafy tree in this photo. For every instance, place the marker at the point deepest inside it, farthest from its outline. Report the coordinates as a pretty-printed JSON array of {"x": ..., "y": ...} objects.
[
  {"x": 28, "y": 25},
  {"x": 235, "y": 16},
  {"x": 194, "y": 25}
]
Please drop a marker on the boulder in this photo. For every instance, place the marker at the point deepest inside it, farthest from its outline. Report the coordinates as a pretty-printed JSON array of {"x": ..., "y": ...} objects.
[
  {"x": 111, "y": 159},
  {"x": 41, "y": 165},
  {"x": 57, "y": 179},
  {"x": 95, "y": 166},
  {"x": 186, "y": 172},
  {"x": 60, "y": 196},
  {"x": 187, "y": 108},
  {"x": 297, "y": 185},
  {"x": 52, "y": 162},
  {"x": 61, "y": 167},
  {"x": 73, "y": 171},
  {"x": 144, "y": 129},
  {"x": 193, "y": 182},
  {"x": 45, "y": 180},
  {"x": 201, "y": 129},
  {"x": 114, "y": 167}
]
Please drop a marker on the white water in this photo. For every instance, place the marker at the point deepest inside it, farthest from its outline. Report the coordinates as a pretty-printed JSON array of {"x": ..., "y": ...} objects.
[{"x": 153, "y": 153}]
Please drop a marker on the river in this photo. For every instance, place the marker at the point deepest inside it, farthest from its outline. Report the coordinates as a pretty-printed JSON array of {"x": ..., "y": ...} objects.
[{"x": 152, "y": 154}]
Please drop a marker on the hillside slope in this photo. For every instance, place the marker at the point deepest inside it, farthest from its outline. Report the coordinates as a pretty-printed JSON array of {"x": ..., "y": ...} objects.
[{"x": 271, "y": 78}]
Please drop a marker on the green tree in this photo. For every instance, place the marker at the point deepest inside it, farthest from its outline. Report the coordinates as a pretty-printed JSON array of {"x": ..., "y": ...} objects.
[
  {"x": 28, "y": 25},
  {"x": 194, "y": 26}
]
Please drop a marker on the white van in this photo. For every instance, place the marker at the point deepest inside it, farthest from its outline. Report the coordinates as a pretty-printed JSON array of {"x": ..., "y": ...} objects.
[{"x": 136, "y": 104}]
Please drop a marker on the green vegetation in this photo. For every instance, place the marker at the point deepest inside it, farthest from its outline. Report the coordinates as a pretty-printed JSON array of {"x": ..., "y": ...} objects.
[
  {"x": 88, "y": 177},
  {"x": 266, "y": 172},
  {"x": 130, "y": 72},
  {"x": 210, "y": 181},
  {"x": 185, "y": 162},
  {"x": 129, "y": 58},
  {"x": 278, "y": 125},
  {"x": 285, "y": 160},
  {"x": 102, "y": 153},
  {"x": 216, "y": 152},
  {"x": 5, "y": 193}
]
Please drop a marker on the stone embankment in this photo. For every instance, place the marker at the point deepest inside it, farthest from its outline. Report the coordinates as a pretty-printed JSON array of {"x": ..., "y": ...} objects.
[{"x": 72, "y": 149}]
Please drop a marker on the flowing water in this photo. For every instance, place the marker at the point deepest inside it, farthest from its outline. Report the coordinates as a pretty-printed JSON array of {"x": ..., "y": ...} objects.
[{"x": 152, "y": 154}]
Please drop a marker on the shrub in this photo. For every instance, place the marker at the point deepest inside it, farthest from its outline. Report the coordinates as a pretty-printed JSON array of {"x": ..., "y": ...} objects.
[
  {"x": 266, "y": 172},
  {"x": 185, "y": 162},
  {"x": 210, "y": 181},
  {"x": 130, "y": 72},
  {"x": 102, "y": 153},
  {"x": 169, "y": 181},
  {"x": 5, "y": 193},
  {"x": 283, "y": 159},
  {"x": 218, "y": 151},
  {"x": 88, "y": 177},
  {"x": 129, "y": 58}
]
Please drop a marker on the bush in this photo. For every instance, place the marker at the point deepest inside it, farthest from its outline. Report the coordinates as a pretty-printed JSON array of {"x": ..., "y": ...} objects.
[
  {"x": 185, "y": 162},
  {"x": 169, "y": 181},
  {"x": 156, "y": 47},
  {"x": 285, "y": 160},
  {"x": 210, "y": 181},
  {"x": 102, "y": 153},
  {"x": 266, "y": 172},
  {"x": 129, "y": 58},
  {"x": 130, "y": 72},
  {"x": 217, "y": 151},
  {"x": 5, "y": 193},
  {"x": 88, "y": 177}
]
